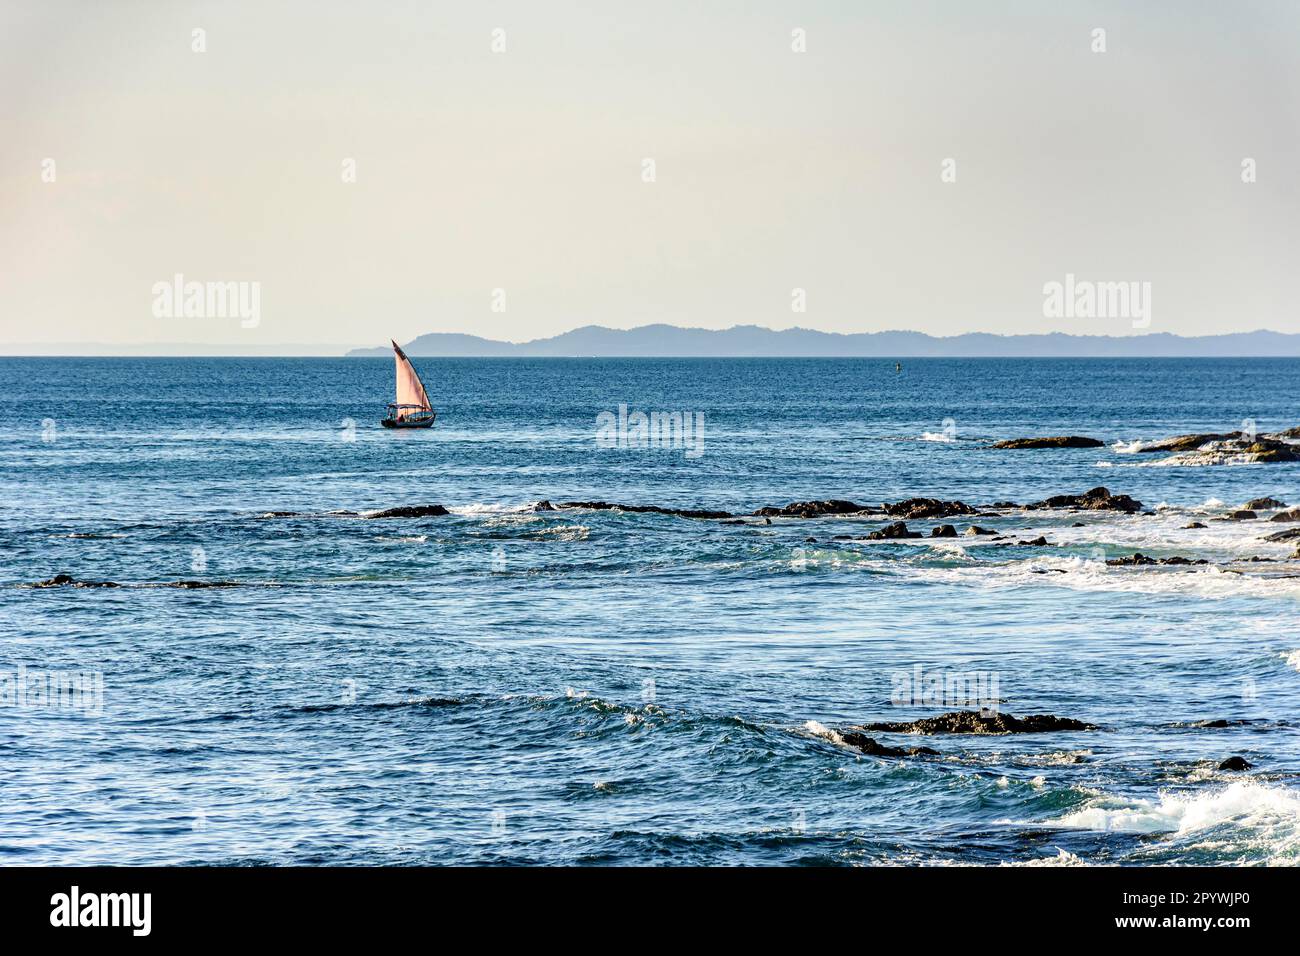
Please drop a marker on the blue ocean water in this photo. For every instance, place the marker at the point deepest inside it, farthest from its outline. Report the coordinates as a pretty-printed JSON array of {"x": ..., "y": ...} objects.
[{"x": 503, "y": 685}]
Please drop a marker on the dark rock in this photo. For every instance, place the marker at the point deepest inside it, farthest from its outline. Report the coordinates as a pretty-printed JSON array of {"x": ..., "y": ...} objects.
[
  {"x": 1078, "y": 524},
  {"x": 1271, "y": 450},
  {"x": 68, "y": 581},
  {"x": 543, "y": 505},
  {"x": 977, "y": 530},
  {"x": 279, "y": 514},
  {"x": 1039, "y": 542},
  {"x": 1142, "y": 559},
  {"x": 1194, "y": 524},
  {"x": 1290, "y": 534},
  {"x": 896, "y": 530},
  {"x": 809, "y": 540},
  {"x": 971, "y": 722},
  {"x": 1236, "y": 763},
  {"x": 1242, "y": 515},
  {"x": 1264, "y": 504},
  {"x": 814, "y": 509},
  {"x": 1133, "y": 560},
  {"x": 1060, "y": 441},
  {"x": 1004, "y": 505},
  {"x": 411, "y": 511},
  {"x": 1289, "y": 516},
  {"x": 943, "y": 531},
  {"x": 870, "y": 747},
  {"x": 1188, "y": 442},
  {"x": 1098, "y": 499},
  {"x": 643, "y": 509},
  {"x": 914, "y": 509},
  {"x": 193, "y": 585}
]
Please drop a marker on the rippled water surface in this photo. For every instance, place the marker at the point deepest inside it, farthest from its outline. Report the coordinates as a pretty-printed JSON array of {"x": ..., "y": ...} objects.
[{"x": 589, "y": 686}]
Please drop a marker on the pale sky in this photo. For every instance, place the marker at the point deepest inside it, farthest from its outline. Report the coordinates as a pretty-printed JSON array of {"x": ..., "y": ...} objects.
[{"x": 523, "y": 170}]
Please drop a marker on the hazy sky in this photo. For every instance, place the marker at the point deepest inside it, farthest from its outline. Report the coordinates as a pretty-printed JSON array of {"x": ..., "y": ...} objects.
[{"x": 523, "y": 170}]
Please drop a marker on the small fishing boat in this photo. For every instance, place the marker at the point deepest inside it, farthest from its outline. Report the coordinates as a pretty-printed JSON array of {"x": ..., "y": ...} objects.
[{"x": 412, "y": 408}]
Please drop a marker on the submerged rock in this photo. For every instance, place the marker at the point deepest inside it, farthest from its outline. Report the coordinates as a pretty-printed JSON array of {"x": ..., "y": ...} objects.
[
  {"x": 1194, "y": 524},
  {"x": 1059, "y": 441},
  {"x": 870, "y": 747},
  {"x": 976, "y": 530},
  {"x": 972, "y": 722},
  {"x": 1263, "y": 504},
  {"x": 896, "y": 530},
  {"x": 814, "y": 509},
  {"x": 1242, "y": 515},
  {"x": 916, "y": 508},
  {"x": 644, "y": 509},
  {"x": 1236, "y": 763},
  {"x": 1097, "y": 499},
  {"x": 411, "y": 511},
  {"x": 943, "y": 531}
]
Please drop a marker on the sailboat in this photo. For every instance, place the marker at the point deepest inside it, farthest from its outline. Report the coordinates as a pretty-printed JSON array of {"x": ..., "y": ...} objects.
[{"x": 412, "y": 408}]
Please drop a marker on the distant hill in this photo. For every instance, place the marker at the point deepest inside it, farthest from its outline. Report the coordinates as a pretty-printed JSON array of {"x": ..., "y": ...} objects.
[{"x": 741, "y": 341}]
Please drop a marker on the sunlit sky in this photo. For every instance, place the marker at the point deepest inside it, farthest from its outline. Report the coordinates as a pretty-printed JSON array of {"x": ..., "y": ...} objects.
[{"x": 522, "y": 170}]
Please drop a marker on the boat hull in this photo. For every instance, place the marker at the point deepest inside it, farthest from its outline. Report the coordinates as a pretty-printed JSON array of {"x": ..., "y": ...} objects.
[{"x": 409, "y": 423}]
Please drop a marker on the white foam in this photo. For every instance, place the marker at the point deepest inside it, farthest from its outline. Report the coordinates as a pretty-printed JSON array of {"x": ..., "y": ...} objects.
[
  {"x": 821, "y": 730},
  {"x": 1126, "y": 448},
  {"x": 486, "y": 509},
  {"x": 937, "y": 436},
  {"x": 1062, "y": 858},
  {"x": 1244, "y": 803},
  {"x": 1292, "y": 659}
]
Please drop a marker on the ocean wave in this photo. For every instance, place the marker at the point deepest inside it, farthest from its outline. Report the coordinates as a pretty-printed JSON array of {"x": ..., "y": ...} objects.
[
  {"x": 938, "y": 436},
  {"x": 1292, "y": 659},
  {"x": 1243, "y": 803},
  {"x": 1127, "y": 448}
]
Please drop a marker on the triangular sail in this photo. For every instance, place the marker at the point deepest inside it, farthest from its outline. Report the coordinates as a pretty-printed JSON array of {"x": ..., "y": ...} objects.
[{"x": 410, "y": 390}]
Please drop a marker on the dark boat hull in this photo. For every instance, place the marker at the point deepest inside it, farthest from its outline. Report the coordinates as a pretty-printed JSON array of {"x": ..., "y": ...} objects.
[{"x": 415, "y": 423}]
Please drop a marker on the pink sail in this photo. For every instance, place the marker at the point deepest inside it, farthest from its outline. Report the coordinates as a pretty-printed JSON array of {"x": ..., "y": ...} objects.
[{"x": 410, "y": 390}]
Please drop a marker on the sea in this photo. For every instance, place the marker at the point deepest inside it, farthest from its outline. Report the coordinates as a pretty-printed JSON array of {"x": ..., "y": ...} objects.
[{"x": 503, "y": 684}]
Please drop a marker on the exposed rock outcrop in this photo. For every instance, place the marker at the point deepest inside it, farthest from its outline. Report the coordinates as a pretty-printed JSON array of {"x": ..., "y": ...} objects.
[
  {"x": 1059, "y": 441},
  {"x": 896, "y": 530},
  {"x": 1097, "y": 499},
  {"x": 1235, "y": 763},
  {"x": 410, "y": 511},
  {"x": 1141, "y": 559},
  {"x": 68, "y": 581},
  {"x": 1263, "y": 504},
  {"x": 643, "y": 509},
  {"x": 814, "y": 509},
  {"x": 914, "y": 509},
  {"x": 972, "y": 722},
  {"x": 870, "y": 747}
]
